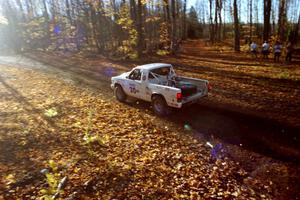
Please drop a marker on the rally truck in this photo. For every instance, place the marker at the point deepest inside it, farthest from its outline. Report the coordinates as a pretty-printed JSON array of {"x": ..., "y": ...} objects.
[{"x": 158, "y": 83}]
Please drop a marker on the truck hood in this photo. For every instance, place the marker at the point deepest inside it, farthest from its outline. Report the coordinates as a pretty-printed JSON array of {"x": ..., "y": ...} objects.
[{"x": 121, "y": 76}]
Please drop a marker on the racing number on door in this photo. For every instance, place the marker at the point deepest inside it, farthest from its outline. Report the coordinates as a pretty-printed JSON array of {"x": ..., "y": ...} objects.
[{"x": 132, "y": 89}]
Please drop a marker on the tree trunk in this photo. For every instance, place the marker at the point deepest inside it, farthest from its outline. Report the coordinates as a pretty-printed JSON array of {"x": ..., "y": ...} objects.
[
  {"x": 14, "y": 39},
  {"x": 167, "y": 16},
  {"x": 19, "y": 3},
  {"x": 139, "y": 28},
  {"x": 133, "y": 10},
  {"x": 267, "y": 14},
  {"x": 173, "y": 27},
  {"x": 250, "y": 20},
  {"x": 220, "y": 18},
  {"x": 281, "y": 20},
  {"x": 224, "y": 22},
  {"x": 94, "y": 29},
  {"x": 53, "y": 10},
  {"x": 184, "y": 21},
  {"x": 30, "y": 8},
  {"x": 236, "y": 27},
  {"x": 295, "y": 32},
  {"x": 68, "y": 11},
  {"x": 257, "y": 27},
  {"x": 46, "y": 15},
  {"x": 216, "y": 26},
  {"x": 211, "y": 34}
]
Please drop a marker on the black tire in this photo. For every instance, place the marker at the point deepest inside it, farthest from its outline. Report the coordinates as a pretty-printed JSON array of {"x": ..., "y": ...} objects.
[
  {"x": 160, "y": 106},
  {"x": 120, "y": 94}
]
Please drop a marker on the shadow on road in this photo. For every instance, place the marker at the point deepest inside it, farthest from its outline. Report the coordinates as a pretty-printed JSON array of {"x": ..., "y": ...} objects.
[
  {"x": 251, "y": 132},
  {"x": 211, "y": 121},
  {"x": 223, "y": 125}
]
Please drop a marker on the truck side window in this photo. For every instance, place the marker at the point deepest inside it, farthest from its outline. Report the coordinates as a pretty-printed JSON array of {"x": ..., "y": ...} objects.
[
  {"x": 163, "y": 71},
  {"x": 150, "y": 76},
  {"x": 135, "y": 75}
]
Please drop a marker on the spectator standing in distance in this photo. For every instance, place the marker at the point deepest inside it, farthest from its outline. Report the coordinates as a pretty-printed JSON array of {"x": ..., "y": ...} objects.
[
  {"x": 265, "y": 49},
  {"x": 253, "y": 49},
  {"x": 289, "y": 52},
  {"x": 277, "y": 51}
]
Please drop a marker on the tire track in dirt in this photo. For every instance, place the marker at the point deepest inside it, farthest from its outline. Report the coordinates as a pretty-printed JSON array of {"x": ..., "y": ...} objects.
[
  {"x": 250, "y": 138},
  {"x": 211, "y": 119}
]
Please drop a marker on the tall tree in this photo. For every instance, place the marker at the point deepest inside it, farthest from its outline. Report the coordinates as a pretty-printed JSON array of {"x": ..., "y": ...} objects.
[
  {"x": 139, "y": 28},
  {"x": 220, "y": 6},
  {"x": 250, "y": 16},
  {"x": 267, "y": 14},
  {"x": 68, "y": 9},
  {"x": 173, "y": 27},
  {"x": 184, "y": 21},
  {"x": 193, "y": 23},
  {"x": 224, "y": 21},
  {"x": 19, "y": 3},
  {"x": 236, "y": 27},
  {"x": 14, "y": 39},
  {"x": 211, "y": 27},
  {"x": 216, "y": 26},
  {"x": 94, "y": 27},
  {"x": 295, "y": 33},
  {"x": 281, "y": 19}
]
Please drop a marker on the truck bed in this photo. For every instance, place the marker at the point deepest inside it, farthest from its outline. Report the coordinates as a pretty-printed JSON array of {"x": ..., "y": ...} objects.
[{"x": 199, "y": 83}]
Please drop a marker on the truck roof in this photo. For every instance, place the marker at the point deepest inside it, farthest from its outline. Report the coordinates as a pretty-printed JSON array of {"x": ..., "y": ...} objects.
[{"x": 153, "y": 66}]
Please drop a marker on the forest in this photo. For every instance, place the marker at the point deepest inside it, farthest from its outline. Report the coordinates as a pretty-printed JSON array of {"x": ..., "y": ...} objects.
[{"x": 135, "y": 27}]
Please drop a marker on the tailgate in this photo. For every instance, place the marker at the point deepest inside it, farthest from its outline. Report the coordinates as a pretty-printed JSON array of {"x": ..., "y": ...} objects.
[{"x": 202, "y": 85}]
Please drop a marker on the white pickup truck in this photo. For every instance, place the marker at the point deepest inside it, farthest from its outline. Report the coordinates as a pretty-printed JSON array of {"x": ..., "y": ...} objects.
[{"x": 158, "y": 83}]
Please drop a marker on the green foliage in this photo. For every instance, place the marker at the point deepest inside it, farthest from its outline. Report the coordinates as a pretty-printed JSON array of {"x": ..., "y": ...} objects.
[
  {"x": 52, "y": 179},
  {"x": 245, "y": 48},
  {"x": 52, "y": 112},
  {"x": 53, "y": 165},
  {"x": 284, "y": 75},
  {"x": 90, "y": 139},
  {"x": 162, "y": 52},
  {"x": 34, "y": 32},
  {"x": 130, "y": 42},
  {"x": 164, "y": 38}
]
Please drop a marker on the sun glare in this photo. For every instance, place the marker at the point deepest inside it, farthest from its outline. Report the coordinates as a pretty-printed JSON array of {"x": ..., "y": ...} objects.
[{"x": 3, "y": 20}]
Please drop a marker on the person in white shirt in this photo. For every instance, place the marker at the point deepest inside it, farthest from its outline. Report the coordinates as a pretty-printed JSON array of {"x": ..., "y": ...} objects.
[
  {"x": 253, "y": 49},
  {"x": 277, "y": 51},
  {"x": 265, "y": 49}
]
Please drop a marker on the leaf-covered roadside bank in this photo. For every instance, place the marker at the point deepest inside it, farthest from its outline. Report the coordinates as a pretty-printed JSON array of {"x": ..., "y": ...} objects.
[{"x": 61, "y": 141}]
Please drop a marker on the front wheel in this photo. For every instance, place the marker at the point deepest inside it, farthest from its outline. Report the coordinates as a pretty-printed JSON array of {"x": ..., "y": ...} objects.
[
  {"x": 120, "y": 94},
  {"x": 160, "y": 106}
]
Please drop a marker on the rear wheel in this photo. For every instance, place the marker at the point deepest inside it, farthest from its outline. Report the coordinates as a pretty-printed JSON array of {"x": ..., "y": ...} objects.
[
  {"x": 160, "y": 106},
  {"x": 120, "y": 94}
]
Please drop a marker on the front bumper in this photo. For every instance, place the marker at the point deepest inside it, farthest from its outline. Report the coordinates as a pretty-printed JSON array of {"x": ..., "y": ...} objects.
[{"x": 112, "y": 86}]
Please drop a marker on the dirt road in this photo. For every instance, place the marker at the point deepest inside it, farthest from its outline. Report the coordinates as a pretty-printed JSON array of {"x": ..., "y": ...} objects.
[
  {"x": 226, "y": 119},
  {"x": 209, "y": 119},
  {"x": 248, "y": 138}
]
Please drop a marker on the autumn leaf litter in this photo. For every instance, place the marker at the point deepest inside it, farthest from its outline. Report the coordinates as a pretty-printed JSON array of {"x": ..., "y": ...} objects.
[{"x": 104, "y": 148}]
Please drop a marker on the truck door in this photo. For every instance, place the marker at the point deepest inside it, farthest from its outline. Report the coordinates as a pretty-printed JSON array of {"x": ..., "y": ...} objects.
[{"x": 134, "y": 85}]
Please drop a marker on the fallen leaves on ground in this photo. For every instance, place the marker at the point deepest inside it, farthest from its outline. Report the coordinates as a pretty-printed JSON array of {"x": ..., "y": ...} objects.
[{"x": 50, "y": 127}]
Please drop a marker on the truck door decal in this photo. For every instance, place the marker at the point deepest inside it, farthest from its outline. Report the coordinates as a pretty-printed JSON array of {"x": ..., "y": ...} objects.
[{"x": 132, "y": 89}]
